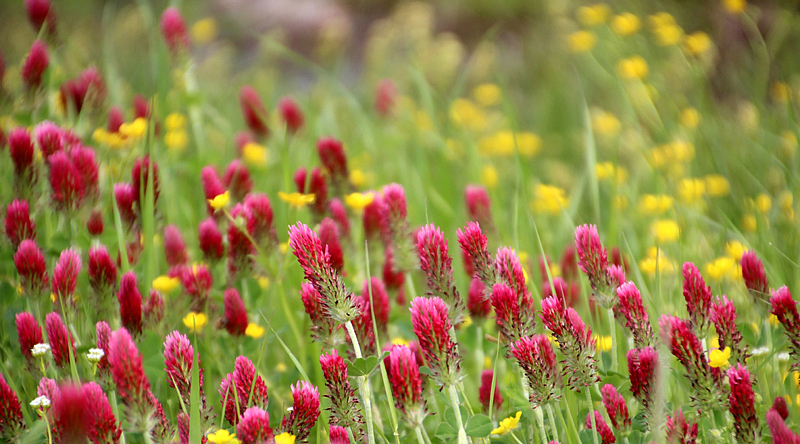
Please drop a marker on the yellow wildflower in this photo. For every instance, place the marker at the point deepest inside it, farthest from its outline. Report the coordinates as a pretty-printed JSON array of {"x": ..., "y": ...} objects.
[
  {"x": 487, "y": 362},
  {"x": 195, "y": 321},
  {"x": 280, "y": 367},
  {"x": 690, "y": 118},
  {"x": 735, "y": 249},
  {"x": 222, "y": 436},
  {"x": 283, "y": 246},
  {"x": 254, "y": 330},
  {"x": 633, "y": 68},
  {"x": 763, "y": 203},
  {"x": 466, "y": 114},
  {"x": 487, "y": 94},
  {"x": 691, "y": 190},
  {"x": 466, "y": 322},
  {"x": 697, "y": 43},
  {"x": 721, "y": 268},
  {"x": 717, "y": 185},
  {"x": 204, "y": 31},
  {"x": 508, "y": 424},
  {"x": 176, "y": 140},
  {"x": 165, "y": 284},
  {"x": 734, "y": 6},
  {"x": 749, "y": 223},
  {"x": 528, "y": 144},
  {"x": 296, "y": 199},
  {"x": 175, "y": 121},
  {"x": 220, "y": 201},
  {"x": 773, "y": 320},
  {"x": 134, "y": 129},
  {"x": 581, "y": 41},
  {"x": 358, "y": 201},
  {"x": 719, "y": 358},
  {"x": 500, "y": 143},
  {"x": 626, "y": 24},
  {"x": 357, "y": 177},
  {"x": 665, "y": 231},
  {"x": 655, "y": 262},
  {"x": 788, "y": 144},
  {"x": 254, "y": 154},
  {"x": 423, "y": 120},
  {"x": 112, "y": 140},
  {"x": 263, "y": 282},
  {"x": 620, "y": 202},
  {"x": 607, "y": 170},
  {"x": 399, "y": 341},
  {"x": 603, "y": 342},
  {"x": 655, "y": 204},
  {"x": 713, "y": 342},
  {"x": 284, "y": 438},
  {"x": 605, "y": 123},
  {"x": 780, "y": 92},
  {"x": 489, "y": 176},
  {"x": 594, "y": 14},
  {"x": 668, "y": 35},
  {"x": 549, "y": 199}
]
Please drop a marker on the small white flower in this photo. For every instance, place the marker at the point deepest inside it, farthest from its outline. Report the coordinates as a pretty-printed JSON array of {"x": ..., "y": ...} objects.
[
  {"x": 95, "y": 355},
  {"x": 783, "y": 356},
  {"x": 41, "y": 401},
  {"x": 760, "y": 351},
  {"x": 290, "y": 409},
  {"x": 40, "y": 349}
]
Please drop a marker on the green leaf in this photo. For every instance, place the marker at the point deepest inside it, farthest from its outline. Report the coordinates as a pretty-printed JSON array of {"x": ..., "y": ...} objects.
[
  {"x": 424, "y": 370},
  {"x": 586, "y": 436},
  {"x": 365, "y": 366},
  {"x": 445, "y": 430},
  {"x": 195, "y": 432},
  {"x": 639, "y": 422},
  {"x": 479, "y": 426}
]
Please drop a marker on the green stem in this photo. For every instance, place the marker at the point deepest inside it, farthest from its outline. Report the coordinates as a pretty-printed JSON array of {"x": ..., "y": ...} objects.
[
  {"x": 612, "y": 326},
  {"x": 537, "y": 412},
  {"x": 591, "y": 413},
  {"x": 363, "y": 385},
  {"x": 549, "y": 408},
  {"x": 515, "y": 438},
  {"x": 418, "y": 432},
  {"x": 462, "y": 435}
]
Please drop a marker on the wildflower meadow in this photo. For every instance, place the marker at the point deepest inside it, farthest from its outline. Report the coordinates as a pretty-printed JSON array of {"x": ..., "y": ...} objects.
[{"x": 396, "y": 222}]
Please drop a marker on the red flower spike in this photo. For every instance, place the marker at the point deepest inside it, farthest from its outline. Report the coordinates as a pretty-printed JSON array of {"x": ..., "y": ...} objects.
[
  {"x": 153, "y": 310},
  {"x": 237, "y": 179},
  {"x": 363, "y": 326},
  {"x": 329, "y": 235},
  {"x": 680, "y": 430},
  {"x": 255, "y": 115},
  {"x": 124, "y": 196},
  {"x": 380, "y": 299},
  {"x": 66, "y": 182},
  {"x": 95, "y": 223},
  {"x": 575, "y": 341},
  {"x": 130, "y": 303},
  {"x": 88, "y": 85},
  {"x": 102, "y": 271},
  {"x": 40, "y": 12},
  {"x": 437, "y": 264},
  {"x": 345, "y": 410},
  {"x": 197, "y": 281},
  {"x": 49, "y": 137},
  {"x": 536, "y": 357},
  {"x": 723, "y": 316},
  {"x": 754, "y": 275},
  {"x": 241, "y": 383},
  {"x": 392, "y": 277},
  {"x": 65, "y": 274},
  {"x": 339, "y": 213},
  {"x": 128, "y": 374},
  {"x": 643, "y": 367},
  {"x": 71, "y": 414},
  {"x": 115, "y": 119},
  {"x": 569, "y": 263},
  {"x": 318, "y": 186},
  {"x": 291, "y": 114},
  {"x": 509, "y": 270},
  {"x": 34, "y": 66},
  {"x": 178, "y": 356},
  {"x": 485, "y": 391},
  {"x": 781, "y": 433},
  {"x": 331, "y": 153},
  {"x": 593, "y": 261},
  {"x": 21, "y": 149},
  {"x": 338, "y": 435},
  {"x": 631, "y": 308},
  {"x": 784, "y": 308},
  {"x": 103, "y": 332},
  {"x": 240, "y": 248},
  {"x": 235, "y": 321},
  {"x": 741, "y": 404},
  {"x": 11, "y": 422},
  {"x": 474, "y": 244},
  {"x": 385, "y": 97},
  {"x": 431, "y": 323},
  {"x": 617, "y": 410},
  {"x": 210, "y": 239},
  {"x": 174, "y": 247},
  {"x": 85, "y": 162},
  {"x": 698, "y": 298},
  {"x": 779, "y": 405},
  {"x": 478, "y": 305},
  {"x": 568, "y": 293},
  {"x": 18, "y": 223},
  {"x": 606, "y": 435},
  {"x": 139, "y": 174},
  {"x": 305, "y": 411},
  {"x": 509, "y": 319},
  {"x": 375, "y": 220},
  {"x": 60, "y": 339},
  {"x": 254, "y": 427},
  {"x": 29, "y": 333},
  {"x": 479, "y": 206},
  {"x": 31, "y": 267},
  {"x": 406, "y": 383},
  {"x": 173, "y": 29},
  {"x": 299, "y": 179},
  {"x": 323, "y": 328}
]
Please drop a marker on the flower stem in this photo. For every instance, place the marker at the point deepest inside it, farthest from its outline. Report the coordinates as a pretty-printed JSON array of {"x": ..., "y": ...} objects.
[
  {"x": 537, "y": 412},
  {"x": 418, "y": 432},
  {"x": 462, "y": 435},
  {"x": 552, "y": 418},
  {"x": 612, "y": 326},
  {"x": 363, "y": 385},
  {"x": 591, "y": 413}
]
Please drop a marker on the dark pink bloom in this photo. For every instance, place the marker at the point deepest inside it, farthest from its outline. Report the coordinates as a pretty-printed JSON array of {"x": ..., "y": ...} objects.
[
  {"x": 474, "y": 245},
  {"x": 102, "y": 271},
  {"x": 478, "y": 304},
  {"x": 385, "y": 97},
  {"x": 380, "y": 301},
  {"x": 255, "y": 115},
  {"x": 339, "y": 213},
  {"x": 31, "y": 267},
  {"x": 567, "y": 292},
  {"x": 741, "y": 402},
  {"x": 323, "y": 327},
  {"x": 29, "y": 333},
  {"x": 606, "y": 435},
  {"x": 318, "y": 186},
  {"x": 18, "y": 223},
  {"x": 338, "y": 435},
  {"x": 50, "y": 138},
  {"x": 103, "y": 332},
  {"x": 643, "y": 367},
  {"x": 485, "y": 391},
  {"x": 509, "y": 270},
  {"x": 406, "y": 384},
  {"x": 174, "y": 246},
  {"x": 680, "y": 430},
  {"x": 575, "y": 341},
  {"x": 237, "y": 179},
  {"x": 593, "y": 261},
  {"x": 128, "y": 373},
  {"x": 141, "y": 107},
  {"x": 88, "y": 86},
  {"x": 779, "y": 405},
  {"x": 140, "y": 174},
  {"x": 431, "y": 323},
  {"x": 130, "y": 303},
  {"x": 212, "y": 185},
  {"x": 329, "y": 235},
  {"x": 785, "y": 308},
  {"x": 479, "y": 206},
  {"x": 374, "y": 220},
  {"x": 755, "y": 277},
  {"x": 781, "y": 433},
  {"x": 239, "y": 385},
  {"x": 299, "y": 179},
  {"x": 235, "y": 321},
  {"x": 210, "y": 240},
  {"x": 65, "y": 274},
  {"x": 698, "y": 298},
  {"x": 66, "y": 182},
  {"x": 334, "y": 160},
  {"x": 173, "y": 28},
  {"x": 617, "y": 410},
  {"x": 34, "y": 66},
  {"x": 345, "y": 410},
  {"x": 364, "y": 330},
  {"x": 103, "y": 426},
  {"x": 514, "y": 320},
  {"x": 115, "y": 119},
  {"x": 240, "y": 247},
  {"x": 21, "y": 149},
  {"x": 40, "y": 12},
  {"x": 60, "y": 339},
  {"x": 536, "y": 357},
  {"x": 178, "y": 356},
  {"x": 632, "y": 310},
  {"x": 197, "y": 281},
  {"x": 254, "y": 427},
  {"x": 49, "y": 388},
  {"x": 569, "y": 263},
  {"x": 291, "y": 114},
  {"x": 95, "y": 223},
  {"x": 723, "y": 316},
  {"x": 153, "y": 309},
  {"x": 437, "y": 264},
  {"x": 85, "y": 162},
  {"x": 305, "y": 411},
  {"x": 124, "y": 196},
  {"x": 392, "y": 277},
  {"x": 71, "y": 414}
]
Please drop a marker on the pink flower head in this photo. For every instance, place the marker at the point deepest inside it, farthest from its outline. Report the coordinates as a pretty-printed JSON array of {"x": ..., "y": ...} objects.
[
  {"x": 741, "y": 403},
  {"x": 385, "y": 97},
  {"x": 124, "y": 196},
  {"x": 130, "y": 303},
  {"x": 237, "y": 179},
  {"x": 479, "y": 206},
  {"x": 178, "y": 358},
  {"x": 65, "y": 274},
  {"x": 196, "y": 281},
  {"x": 103, "y": 332},
  {"x": 174, "y": 246},
  {"x": 49, "y": 388},
  {"x": 60, "y": 339},
  {"x": 140, "y": 174},
  {"x": 406, "y": 383},
  {"x": 784, "y": 308},
  {"x": 431, "y": 323},
  {"x": 329, "y": 235},
  {"x": 18, "y": 223},
  {"x": 103, "y": 426},
  {"x": 380, "y": 300},
  {"x": 485, "y": 391},
  {"x": 210, "y": 240},
  {"x": 115, "y": 119},
  {"x": 632, "y": 309},
  {"x": 698, "y": 298},
  {"x": 235, "y": 321},
  {"x": 173, "y": 28},
  {"x": 755, "y": 277},
  {"x": 781, "y": 433},
  {"x": 299, "y": 179},
  {"x": 305, "y": 411},
  {"x": 392, "y": 277},
  {"x": 153, "y": 309},
  {"x": 536, "y": 357},
  {"x": 569, "y": 293},
  {"x": 21, "y": 149},
  {"x": 240, "y": 246},
  {"x": 575, "y": 341},
  {"x": 40, "y": 12},
  {"x": 364, "y": 329},
  {"x": 643, "y": 367},
  {"x": 478, "y": 305},
  {"x": 318, "y": 186},
  {"x": 345, "y": 410},
  {"x": 71, "y": 414},
  {"x": 34, "y": 66},
  {"x": 11, "y": 422},
  {"x": 320, "y": 272},
  {"x": 31, "y": 267},
  {"x": 212, "y": 186},
  {"x": 512, "y": 319},
  {"x": 86, "y": 163},
  {"x": 437, "y": 264},
  {"x": 255, "y": 115},
  {"x": 29, "y": 333},
  {"x": 128, "y": 374},
  {"x": 723, "y": 316},
  {"x": 779, "y": 405},
  {"x": 88, "y": 87},
  {"x": 606, "y": 435},
  {"x": 509, "y": 270},
  {"x": 593, "y": 261},
  {"x": 66, "y": 182},
  {"x": 339, "y": 213},
  {"x": 394, "y": 196},
  {"x": 291, "y": 114},
  {"x": 95, "y": 223},
  {"x": 334, "y": 160},
  {"x": 338, "y": 435},
  {"x": 239, "y": 385},
  {"x": 617, "y": 410},
  {"x": 680, "y": 430},
  {"x": 323, "y": 328},
  {"x": 474, "y": 245},
  {"x": 102, "y": 271},
  {"x": 374, "y": 220},
  {"x": 254, "y": 427}
]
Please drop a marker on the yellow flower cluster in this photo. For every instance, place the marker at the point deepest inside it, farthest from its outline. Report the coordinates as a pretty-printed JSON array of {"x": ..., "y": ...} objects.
[
  {"x": 487, "y": 94},
  {"x": 296, "y": 199},
  {"x": 605, "y": 123},
  {"x": 508, "y": 424},
  {"x": 581, "y": 41},
  {"x": 633, "y": 68},
  {"x": 195, "y": 321},
  {"x": 466, "y": 114},
  {"x": 549, "y": 199},
  {"x": 593, "y": 15},
  {"x": 665, "y": 29},
  {"x": 677, "y": 151},
  {"x": 665, "y": 231},
  {"x": 655, "y": 204},
  {"x": 254, "y": 154},
  {"x": 626, "y": 24},
  {"x": 657, "y": 261},
  {"x": 607, "y": 170},
  {"x": 505, "y": 143},
  {"x": 176, "y": 138},
  {"x": 723, "y": 267},
  {"x": 128, "y": 133},
  {"x": 697, "y": 43}
]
